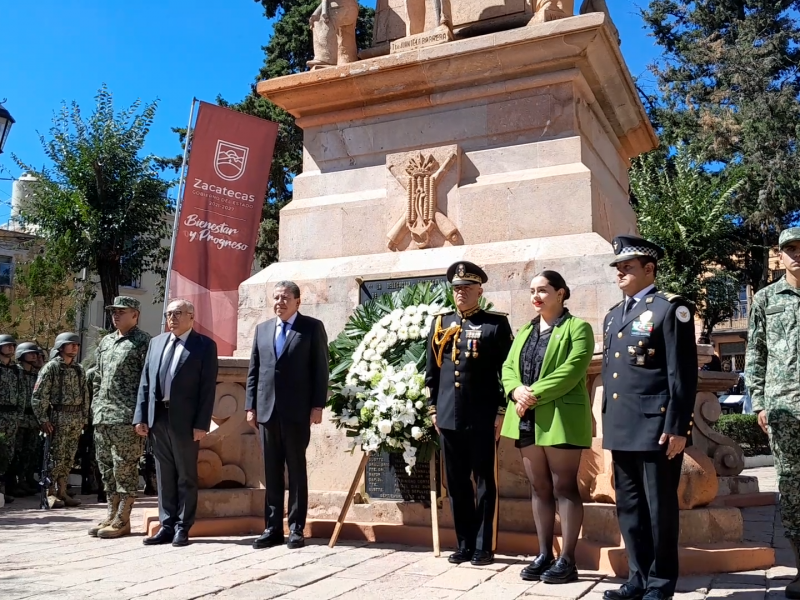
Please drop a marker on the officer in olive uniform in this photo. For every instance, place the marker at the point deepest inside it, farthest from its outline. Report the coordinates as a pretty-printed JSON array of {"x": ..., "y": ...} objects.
[
  {"x": 649, "y": 382},
  {"x": 466, "y": 351}
]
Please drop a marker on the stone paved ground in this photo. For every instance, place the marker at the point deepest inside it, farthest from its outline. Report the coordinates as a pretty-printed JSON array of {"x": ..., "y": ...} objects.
[{"x": 49, "y": 554}]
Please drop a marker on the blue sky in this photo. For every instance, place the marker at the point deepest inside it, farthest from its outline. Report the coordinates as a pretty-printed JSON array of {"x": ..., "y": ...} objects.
[{"x": 172, "y": 50}]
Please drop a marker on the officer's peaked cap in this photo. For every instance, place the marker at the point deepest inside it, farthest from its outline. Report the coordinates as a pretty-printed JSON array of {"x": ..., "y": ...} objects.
[
  {"x": 465, "y": 273},
  {"x": 627, "y": 247}
]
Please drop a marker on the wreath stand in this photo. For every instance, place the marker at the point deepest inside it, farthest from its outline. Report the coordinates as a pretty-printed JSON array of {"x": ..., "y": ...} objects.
[{"x": 352, "y": 492}]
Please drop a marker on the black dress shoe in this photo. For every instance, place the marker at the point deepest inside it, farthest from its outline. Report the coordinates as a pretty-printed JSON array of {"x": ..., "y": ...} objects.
[
  {"x": 269, "y": 539},
  {"x": 626, "y": 592},
  {"x": 164, "y": 536},
  {"x": 540, "y": 564},
  {"x": 181, "y": 538},
  {"x": 296, "y": 540},
  {"x": 481, "y": 558},
  {"x": 461, "y": 556},
  {"x": 654, "y": 594},
  {"x": 562, "y": 571}
]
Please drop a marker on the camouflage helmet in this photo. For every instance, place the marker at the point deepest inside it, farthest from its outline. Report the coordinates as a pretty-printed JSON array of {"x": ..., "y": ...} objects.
[
  {"x": 7, "y": 339},
  {"x": 25, "y": 348},
  {"x": 65, "y": 338}
]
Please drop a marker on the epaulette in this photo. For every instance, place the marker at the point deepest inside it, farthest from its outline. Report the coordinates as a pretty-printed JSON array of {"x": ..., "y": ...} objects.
[
  {"x": 496, "y": 312},
  {"x": 669, "y": 296},
  {"x": 444, "y": 311},
  {"x": 616, "y": 305}
]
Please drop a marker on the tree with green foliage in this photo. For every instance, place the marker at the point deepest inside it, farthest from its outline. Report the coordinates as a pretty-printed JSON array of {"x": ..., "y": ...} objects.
[
  {"x": 101, "y": 204},
  {"x": 687, "y": 211},
  {"x": 288, "y": 51},
  {"x": 729, "y": 86},
  {"x": 46, "y": 299}
]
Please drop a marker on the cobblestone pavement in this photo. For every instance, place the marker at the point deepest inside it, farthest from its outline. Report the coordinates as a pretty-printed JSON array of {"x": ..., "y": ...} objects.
[{"x": 49, "y": 554}]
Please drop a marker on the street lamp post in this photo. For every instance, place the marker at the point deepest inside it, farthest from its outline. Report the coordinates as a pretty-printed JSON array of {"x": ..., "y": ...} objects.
[{"x": 6, "y": 121}]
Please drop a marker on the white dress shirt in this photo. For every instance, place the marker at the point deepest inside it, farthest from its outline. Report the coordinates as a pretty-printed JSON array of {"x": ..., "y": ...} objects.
[
  {"x": 175, "y": 358},
  {"x": 639, "y": 296},
  {"x": 278, "y": 326}
]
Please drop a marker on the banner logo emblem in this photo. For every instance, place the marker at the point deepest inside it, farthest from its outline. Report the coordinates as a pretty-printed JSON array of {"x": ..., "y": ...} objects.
[{"x": 231, "y": 160}]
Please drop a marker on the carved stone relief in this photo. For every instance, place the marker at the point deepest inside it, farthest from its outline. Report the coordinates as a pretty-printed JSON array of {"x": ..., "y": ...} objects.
[
  {"x": 223, "y": 457},
  {"x": 421, "y": 174}
]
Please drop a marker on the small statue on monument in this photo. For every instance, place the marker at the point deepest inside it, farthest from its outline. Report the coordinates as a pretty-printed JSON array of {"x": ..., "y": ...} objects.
[
  {"x": 590, "y": 6},
  {"x": 334, "y": 32},
  {"x": 550, "y": 10},
  {"x": 415, "y": 9}
]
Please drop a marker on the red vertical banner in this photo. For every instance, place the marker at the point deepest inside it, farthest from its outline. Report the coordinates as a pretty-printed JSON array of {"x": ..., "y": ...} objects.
[{"x": 229, "y": 165}]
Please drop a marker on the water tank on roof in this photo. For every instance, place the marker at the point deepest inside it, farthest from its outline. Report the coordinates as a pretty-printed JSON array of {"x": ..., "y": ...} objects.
[{"x": 21, "y": 189}]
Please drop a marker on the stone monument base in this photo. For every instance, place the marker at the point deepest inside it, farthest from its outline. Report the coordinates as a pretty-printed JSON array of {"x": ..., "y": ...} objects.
[{"x": 710, "y": 537}]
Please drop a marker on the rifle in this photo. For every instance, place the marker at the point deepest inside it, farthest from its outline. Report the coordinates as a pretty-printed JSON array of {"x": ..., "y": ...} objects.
[{"x": 45, "y": 478}]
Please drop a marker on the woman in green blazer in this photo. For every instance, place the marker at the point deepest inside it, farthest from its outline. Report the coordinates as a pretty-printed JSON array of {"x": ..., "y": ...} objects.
[{"x": 550, "y": 418}]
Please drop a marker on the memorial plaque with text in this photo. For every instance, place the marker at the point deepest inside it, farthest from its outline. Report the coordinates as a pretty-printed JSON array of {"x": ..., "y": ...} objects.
[{"x": 380, "y": 287}]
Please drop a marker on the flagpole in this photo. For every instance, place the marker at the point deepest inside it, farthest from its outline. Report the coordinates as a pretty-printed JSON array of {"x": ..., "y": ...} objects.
[{"x": 178, "y": 206}]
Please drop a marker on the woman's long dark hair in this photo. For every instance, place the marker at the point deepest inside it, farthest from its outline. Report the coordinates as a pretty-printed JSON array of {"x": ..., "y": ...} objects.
[{"x": 555, "y": 279}]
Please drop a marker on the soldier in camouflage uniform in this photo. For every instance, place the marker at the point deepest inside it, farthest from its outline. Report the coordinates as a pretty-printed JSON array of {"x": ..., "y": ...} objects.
[
  {"x": 61, "y": 404},
  {"x": 120, "y": 360},
  {"x": 28, "y": 447},
  {"x": 772, "y": 372},
  {"x": 12, "y": 403}
]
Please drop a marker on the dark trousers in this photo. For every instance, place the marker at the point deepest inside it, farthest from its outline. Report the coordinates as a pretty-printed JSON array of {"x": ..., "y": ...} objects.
[
  {"x": 176, "y": 471},
  {"x": 646, "y": 484},
  {"x": 472, "y": 454},
  {"x": 284, "y": 443}
]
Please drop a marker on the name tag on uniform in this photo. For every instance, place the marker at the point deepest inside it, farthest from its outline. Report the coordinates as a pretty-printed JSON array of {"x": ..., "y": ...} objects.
[
  {"x": 774, "y": 310},
  {"x": 641, "y": 328}
]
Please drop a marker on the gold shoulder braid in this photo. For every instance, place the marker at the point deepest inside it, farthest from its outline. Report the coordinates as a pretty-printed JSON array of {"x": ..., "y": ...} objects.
[{"x": 440, "y": 339}]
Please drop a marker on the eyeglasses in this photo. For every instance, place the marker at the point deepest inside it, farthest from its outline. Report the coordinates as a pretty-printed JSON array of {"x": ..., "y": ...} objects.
[{"x": 174, "y": 313}]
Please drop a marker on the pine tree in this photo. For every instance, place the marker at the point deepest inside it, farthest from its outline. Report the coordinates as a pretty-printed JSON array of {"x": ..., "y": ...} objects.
[{"x": 728, "y": 85}]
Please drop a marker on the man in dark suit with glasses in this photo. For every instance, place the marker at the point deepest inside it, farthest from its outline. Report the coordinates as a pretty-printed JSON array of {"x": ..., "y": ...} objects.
[{"x": 174, "y": 407}]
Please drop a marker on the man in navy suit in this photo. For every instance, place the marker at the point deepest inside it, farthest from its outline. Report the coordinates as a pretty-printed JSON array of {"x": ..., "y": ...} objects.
[
  {"x": 287, "y": 386},
  {"x": 174, "y": 407}
]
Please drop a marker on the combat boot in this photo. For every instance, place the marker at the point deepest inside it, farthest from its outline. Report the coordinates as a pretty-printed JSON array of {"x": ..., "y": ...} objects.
[
  {"x": 793, "y": 588},
  {"x": 121, "y": 525},
  {"x": 113, "y": 507},
  {"x": 68, "y": 500},
  {"x": 53, "y": 500}
]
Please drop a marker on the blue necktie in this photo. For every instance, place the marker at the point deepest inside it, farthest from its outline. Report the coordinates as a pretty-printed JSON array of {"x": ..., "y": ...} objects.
[{"x": 281, "y": 341}]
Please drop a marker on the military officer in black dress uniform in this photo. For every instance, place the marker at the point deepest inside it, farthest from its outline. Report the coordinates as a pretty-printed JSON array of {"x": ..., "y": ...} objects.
[
  {"x": 649, "y": 383},
  {"x": 466, "y": 351}
]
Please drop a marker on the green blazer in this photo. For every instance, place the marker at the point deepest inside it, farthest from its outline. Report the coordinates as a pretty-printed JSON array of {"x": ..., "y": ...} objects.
[{"x": 563, "y": 413}]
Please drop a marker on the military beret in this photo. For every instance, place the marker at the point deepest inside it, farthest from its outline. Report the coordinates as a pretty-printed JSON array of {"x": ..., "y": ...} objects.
[
  {"x": 627, "y": 247},
  {"x": 465, "y": 273},
  {"x": 788, "y": 236},
  {"x": 125, "y": 302}
]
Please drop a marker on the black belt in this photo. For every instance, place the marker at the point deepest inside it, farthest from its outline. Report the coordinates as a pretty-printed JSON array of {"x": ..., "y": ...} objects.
[
  {"x": 6, "y": 408},
  {"x": 68, "y": 408}
]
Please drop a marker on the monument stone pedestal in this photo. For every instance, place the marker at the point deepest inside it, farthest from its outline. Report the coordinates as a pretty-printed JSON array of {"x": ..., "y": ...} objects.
[{"x": 510, "y": 150}]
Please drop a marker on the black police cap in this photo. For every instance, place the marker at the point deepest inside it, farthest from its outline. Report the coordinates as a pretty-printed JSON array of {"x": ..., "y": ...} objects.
[
  {"x": 627, "y": 247},
  {"x": 465, "y": 273}
]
